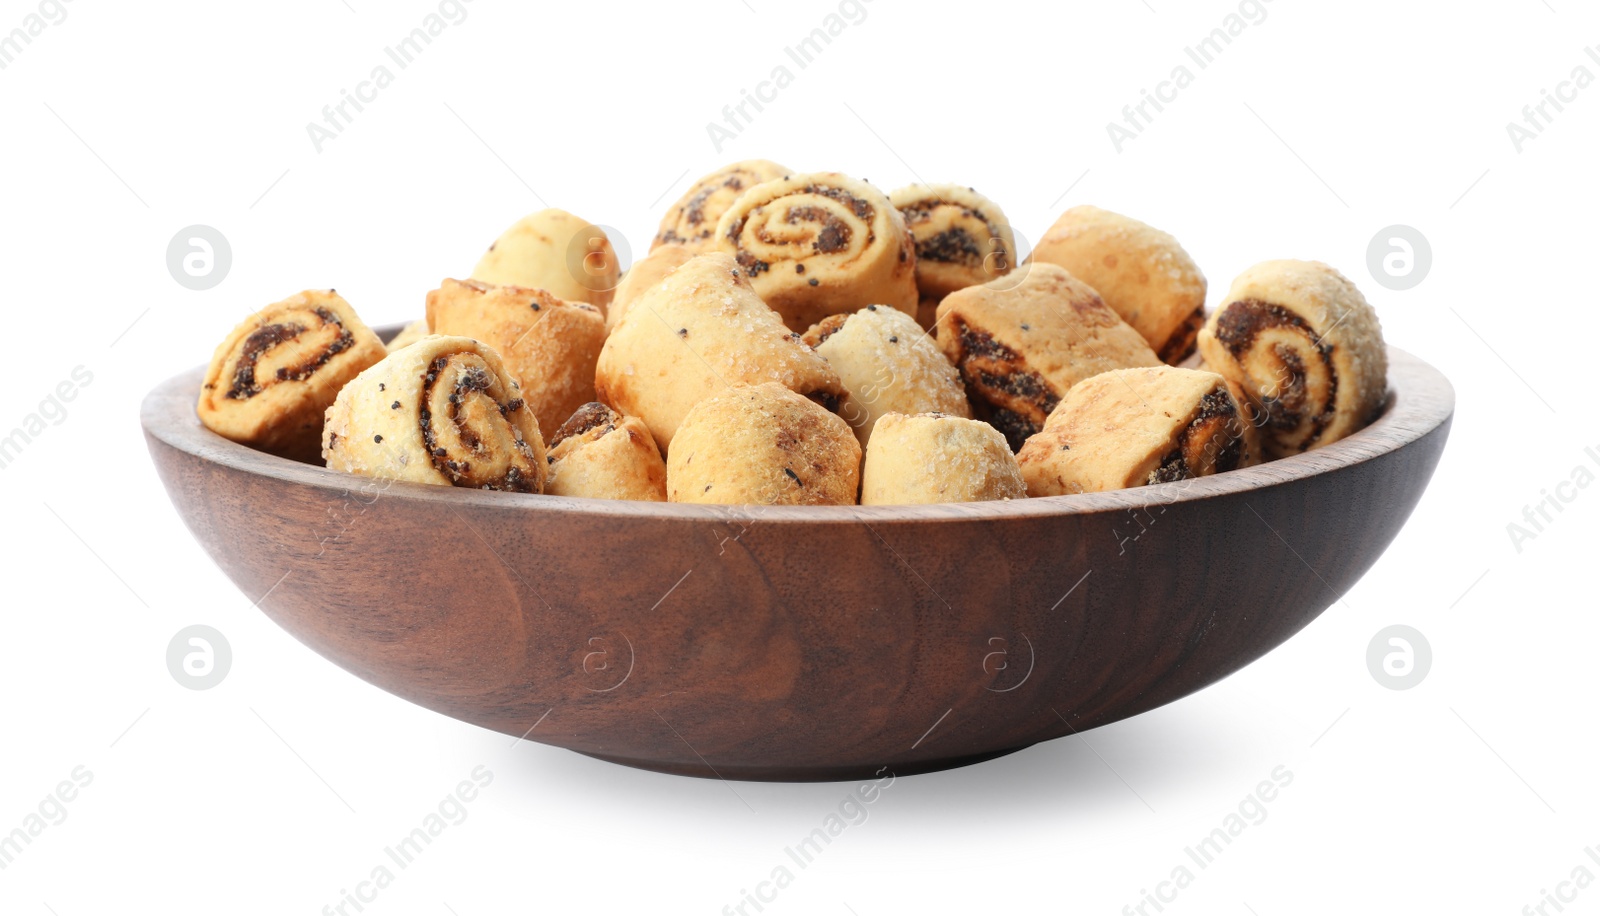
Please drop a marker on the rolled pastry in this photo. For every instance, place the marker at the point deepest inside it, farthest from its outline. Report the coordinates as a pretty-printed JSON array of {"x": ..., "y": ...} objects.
[
  {"x": 600, "y": 454},
  {"x": 1021, "y": 341},
  {"x": 554, "y": 251},
  {"x": 1140, "y": 271},
  {"x": 692, "y": 221},
  {"x": 1131, "y": 427},
  {"x": 820, "y": 244},
  {"x": 443, "y": 411},
  {"x": 549, "y": 345},
  {"x": 698, "y": 331},
  {"x": 962, "y": 238},
  {"x": 889, "y": 365},
  {"x": 766, "y": 445},
  {"x": 410, "y": 334},
  {"x": 934, "y": 458},
  {"x": 273, "y": 376},
  {"x": 1305, "y": 348},
  {"x": 644, "y": 274}
]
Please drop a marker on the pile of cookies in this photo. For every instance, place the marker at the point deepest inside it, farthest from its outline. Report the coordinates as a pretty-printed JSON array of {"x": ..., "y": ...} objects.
[{"x": 805, "y": 339}]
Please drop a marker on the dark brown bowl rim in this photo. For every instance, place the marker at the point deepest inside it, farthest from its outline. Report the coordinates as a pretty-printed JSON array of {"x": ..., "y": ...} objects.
[{"x": 1420, "y": 400}]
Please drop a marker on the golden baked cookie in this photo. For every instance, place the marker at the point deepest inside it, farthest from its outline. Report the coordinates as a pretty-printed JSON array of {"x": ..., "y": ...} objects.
[
  {"x": 555, "y": 251},
  {"x": 695, "y": 333},
  {"x": 1140, "y": 271},
  {"x": 1306, "y": 350},
  {"x": 1021, "y": 341},
  {"x": 410, "y": 334},
  {"x": 1132, "y": 427},
  {"x": 766, "y": 445},
  {"x": 934, "y": 458},
  {"x": 273, "y": 376},
  {"x": 820, "y": 244},
  {"x": 962, "y": 238},
  {"x": 442, "y": 411},
  {"x": 642, "y": 275},
  {"x": 692, "y": 221},
  {"x": 600, "y": 454},
  {"x": 889, "y": 365},
  {"x": 548, "y": 344}
]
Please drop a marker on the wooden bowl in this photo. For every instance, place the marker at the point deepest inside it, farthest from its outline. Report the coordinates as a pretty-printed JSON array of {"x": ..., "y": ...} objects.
[{"x": 799, "y": 643}]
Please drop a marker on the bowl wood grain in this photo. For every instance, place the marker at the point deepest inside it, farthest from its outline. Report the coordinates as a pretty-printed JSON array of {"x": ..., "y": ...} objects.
[{"x": 799, "y": 643}]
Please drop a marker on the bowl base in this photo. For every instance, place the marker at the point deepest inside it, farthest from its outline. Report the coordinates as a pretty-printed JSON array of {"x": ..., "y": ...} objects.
[{"x": 805, "y": 773}]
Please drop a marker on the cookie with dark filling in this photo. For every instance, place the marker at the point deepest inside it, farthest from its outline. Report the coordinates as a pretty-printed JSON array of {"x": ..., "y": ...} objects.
[
  {"x": 444, "y": 411},
  {"x": 692, "y": 220},
  {"x": 601, "y": 454},
  {"x": 275, "y": 374},
  {"x": 962, "y": 238},
  {"x": 1020, "y": 342},
  {"x": 1134, "y": 427},
  {"x": 549, "y": 345},
  {"x": 821, "y": 244},
  {"x": 1305, "y": 349}
]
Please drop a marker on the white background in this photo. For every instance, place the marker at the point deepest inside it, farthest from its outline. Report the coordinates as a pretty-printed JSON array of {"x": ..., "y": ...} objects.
[{"x": 275, "y": 790}]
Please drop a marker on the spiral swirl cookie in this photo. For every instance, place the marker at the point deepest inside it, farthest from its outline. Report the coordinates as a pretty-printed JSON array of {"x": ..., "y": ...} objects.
[
  {"x": 889, "y": 365},
  {"x": 695, "y": 333},
  {"x": 692, "y": 221},
  {"x": 600, "y": 454},
  {"x": 934, "y": 458},
  {"x": 820, "y": 244},
  {"x": 273, "y": 376},
  {"x": 1021, "y": 343},
  {"x": 1140, "y": 271},
  {"x": 645, "y": 273},
  {"x": 550, "y": 346},
  {"x": 766, "y": 445},
  {"x": 962, "y": 238},
  {"x": 1132, "y": 427},
  {"x": 443, "y": 411},
  {"x": 1304, "y": 346},
  {"x": 554, "y": 251}
]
